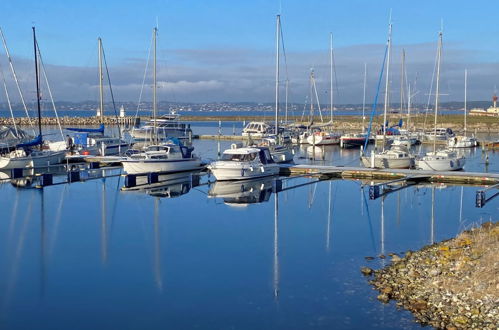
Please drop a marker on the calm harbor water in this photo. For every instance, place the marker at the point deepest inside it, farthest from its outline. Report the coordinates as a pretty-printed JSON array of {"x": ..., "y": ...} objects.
[{"x": 199, "y": 255}]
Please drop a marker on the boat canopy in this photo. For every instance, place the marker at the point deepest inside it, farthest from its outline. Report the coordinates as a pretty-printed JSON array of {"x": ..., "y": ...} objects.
[
  {"x": 36, "y": 141},
  {"x": 8, "y": 133}
]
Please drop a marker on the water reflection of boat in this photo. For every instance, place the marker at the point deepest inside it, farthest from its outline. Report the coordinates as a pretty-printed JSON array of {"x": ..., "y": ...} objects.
[
  {"x": 168, "y": 185},
  {"x": 242, "y": 193}
]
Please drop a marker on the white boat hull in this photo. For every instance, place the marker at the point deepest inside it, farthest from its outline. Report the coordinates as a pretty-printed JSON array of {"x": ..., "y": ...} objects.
[
  {"x": 383, "y": 162},
  {"x": 320, "y": 140},
  {"x": 36, "y": 159},
  {"x": 237, "y": 171},
  {"x": 443, "y": 164},
  {"x": 462, "y": 142},
  {"x": 140, "y": 166}
]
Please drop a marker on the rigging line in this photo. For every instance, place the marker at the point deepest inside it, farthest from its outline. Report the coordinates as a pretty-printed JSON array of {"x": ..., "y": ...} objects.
[
  {"x": 111, "y": 92},
  {"x": 8, "y": 100},
  {"x": 11, "y": 64},
  {"x": 144, "y": 79},
  {"x": 375, "y": 99},
  {"x": 316, "y": 96},
  {"x": 335, "y": 76},
  {"x": 49, "y": 89}
]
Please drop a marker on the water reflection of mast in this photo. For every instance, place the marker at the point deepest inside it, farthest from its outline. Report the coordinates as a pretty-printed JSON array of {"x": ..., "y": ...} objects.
[
  {"x": 42, "y": 245},
  {"x": 328, "y": 233},
  {"x": 432, "y": 234},
  {"x": 276, "y": 247},
  {"x": 383, "y": 225},
  {"x": 157, "y": 250},
  {"x": 461, "y": 206},
  {"x": 103, "y": 225}
]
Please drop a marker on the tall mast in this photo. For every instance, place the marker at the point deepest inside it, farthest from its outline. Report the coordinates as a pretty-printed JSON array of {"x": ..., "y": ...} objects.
[
  {"x": 101, "y": 79},
  {"x": 331, "y": 75},
  {"x": 154, "y": 106},
  {"x": 402, "y": 79},
  {"x": 437, "y": 91},
  {"x": 465, "y": 97},
  {"x": 278, "y": 30},
  {"x": 37, "y": 88},
  {"x": 387, "y": 82},
  {"x": 364, "y": 96},
  {"x": 11, "y": 65}
]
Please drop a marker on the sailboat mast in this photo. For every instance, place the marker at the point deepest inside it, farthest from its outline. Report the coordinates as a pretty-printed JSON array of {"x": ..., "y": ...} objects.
[
  {"x": 101, "y": 78},
  {"x": 387, "y": 82},
  {"x": 154, "y": 105},
  {"x": 331, "y": 75},
  {"x": 364, "y": 97},
  {"x": 37, "y": 88},
  {"x": 437, "y": 91},
  {"x": 402, "y": 79},
  {"x": 465, "y": 97},
  {"x": 278, "y": 29}
]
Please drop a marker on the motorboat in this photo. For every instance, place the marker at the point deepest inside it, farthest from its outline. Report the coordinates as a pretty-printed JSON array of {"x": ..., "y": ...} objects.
[
  {"x": 169, "y": 157},
  {"x": 462, "y": 141},
  {"x": 280, "y": 153},
  {"x": 258, "y": 129},
  {"x": 162, "y": 128},
  {"x": 442, "y": 160},
  {"x": 439, "y": 134},
  {"x": 244, "y": 163}
]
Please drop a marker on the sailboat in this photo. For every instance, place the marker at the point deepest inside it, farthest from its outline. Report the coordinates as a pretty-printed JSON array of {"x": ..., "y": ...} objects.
[
  {"x": 168, "y": 157},
  {"x": 440, "y": 160},
  {"x": 463, "y": 141},
  {"x": 396, "y": 157},
  {"x": 93, "y": 141},
  {"x": 353, "y": 140},
  {"x": 280, "y": 153},
  {"x": 24, "y": 155},
  {"x": 320, "y": 138}
]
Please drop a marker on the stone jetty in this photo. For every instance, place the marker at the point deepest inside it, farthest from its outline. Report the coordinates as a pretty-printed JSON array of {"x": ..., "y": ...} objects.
[
  {"x": 449, "y": 285},
  {"x": 74, "y": 121}
]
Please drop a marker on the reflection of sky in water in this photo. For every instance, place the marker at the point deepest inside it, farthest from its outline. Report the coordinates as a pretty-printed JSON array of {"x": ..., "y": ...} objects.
[{"x": 88, "y": 255}]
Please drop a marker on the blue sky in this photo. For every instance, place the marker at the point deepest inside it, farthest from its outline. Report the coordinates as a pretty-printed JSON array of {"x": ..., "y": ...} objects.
[{"x": 208, "y": 48}]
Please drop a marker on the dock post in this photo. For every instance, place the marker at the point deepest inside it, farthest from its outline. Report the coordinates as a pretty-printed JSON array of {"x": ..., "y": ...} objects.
[
  {"x": 480, "y": 199},
  {"x": 94, "y": 165},
  {"x": 372, "y": 159},
  {"x": 16, "y": 173},
  {"x": 46, "y": 179},
  {"x": 73, "y": 176},
  {"x": 130, "y": 181},
  {"x": 152, "y": 178},
  {"x": 276, "y": 186},
  {"x": 373, "y": 192}
]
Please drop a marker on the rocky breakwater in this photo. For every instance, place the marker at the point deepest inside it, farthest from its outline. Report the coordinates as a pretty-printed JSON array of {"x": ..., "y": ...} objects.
[
  {"x": 449, "y": 285},
  {"x": 73, "y": 121}
]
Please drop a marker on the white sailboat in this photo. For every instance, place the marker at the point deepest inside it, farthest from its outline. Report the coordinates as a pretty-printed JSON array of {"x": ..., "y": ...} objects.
[
  {"x": 440, "y": 160},
  {"x": 399, "y": 156},
  {"x": 25, "y": 156},
  {"x": 463, "y": 141},
  {"x": 321, "y": 138},
  {"x": 167, "y": 157}
]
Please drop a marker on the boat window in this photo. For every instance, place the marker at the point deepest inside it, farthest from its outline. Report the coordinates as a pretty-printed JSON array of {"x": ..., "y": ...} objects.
[{"x": 239, "y": 157}]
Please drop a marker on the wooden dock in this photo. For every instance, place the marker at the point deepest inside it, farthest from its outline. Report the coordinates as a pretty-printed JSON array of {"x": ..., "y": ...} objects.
[{"x": 362, "y": 173}]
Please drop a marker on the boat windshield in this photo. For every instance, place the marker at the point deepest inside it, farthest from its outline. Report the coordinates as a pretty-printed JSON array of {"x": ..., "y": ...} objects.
[{"x": 239, "y": 157}]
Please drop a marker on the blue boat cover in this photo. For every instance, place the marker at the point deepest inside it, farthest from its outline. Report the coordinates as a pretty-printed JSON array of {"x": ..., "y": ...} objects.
[{"x": 36, "y": 141}]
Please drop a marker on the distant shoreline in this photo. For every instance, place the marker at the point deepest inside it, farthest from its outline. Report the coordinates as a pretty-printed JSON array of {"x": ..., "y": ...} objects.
[{"x": 479, "y": 124}]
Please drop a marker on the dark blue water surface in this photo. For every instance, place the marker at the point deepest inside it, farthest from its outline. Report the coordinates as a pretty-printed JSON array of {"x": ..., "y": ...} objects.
[{"x": 235, "y": 256}]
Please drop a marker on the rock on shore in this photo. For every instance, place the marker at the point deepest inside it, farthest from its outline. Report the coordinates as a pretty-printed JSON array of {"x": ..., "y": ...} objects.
[{"x": 449, "y": 285}]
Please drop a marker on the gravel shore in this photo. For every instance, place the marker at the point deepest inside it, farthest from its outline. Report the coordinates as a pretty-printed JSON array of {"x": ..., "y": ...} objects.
[{"x": 449, "y": 285}]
